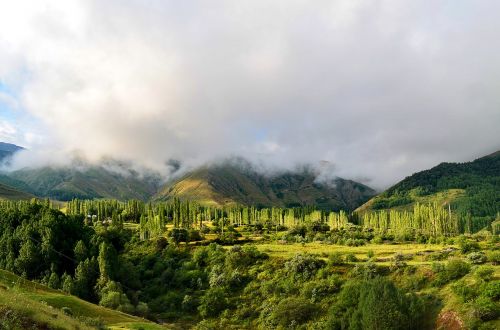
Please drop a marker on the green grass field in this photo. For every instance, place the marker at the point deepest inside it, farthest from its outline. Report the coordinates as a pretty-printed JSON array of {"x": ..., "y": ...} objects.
[
  {"x": 44, "y": 305},
  {"x": 381, "y": 251}
]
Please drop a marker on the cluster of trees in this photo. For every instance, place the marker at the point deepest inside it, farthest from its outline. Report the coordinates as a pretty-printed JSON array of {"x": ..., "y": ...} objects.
[
  {"x": 429, "y": 220},
  {"x": 216, "y": 287},
  {"x": 41, "y": 243}
]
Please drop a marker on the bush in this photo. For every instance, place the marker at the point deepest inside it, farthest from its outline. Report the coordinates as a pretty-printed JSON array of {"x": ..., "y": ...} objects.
[
  {"x": 179, "y": 235},
  {"x": 476, "y": 258},
  {"x": 453, "y": 270},
  {"x": 195, "y": 235},
  {"x": 485, "y": 309},
  {"x": 213, "y": 302},
  {"x": 317, "y": 290},
  {"x": 465, "y": 291},
  {"x": 303, "y": 266},
  {"x": 292, "y": 311},
  {"x": 466, "y": 245},
  {"x": 350, "y": 257},
  {"x": 335, "y": 259},
  {"x": 494, "y": 257},
  {"x": 375, "y": 304},
  {"x": 492, "y": 290},
  {"x": 67, "y": 311},
  {"x": 485, "y": 273},
  {"x": 366, "y": 271},
  {"x": 456, "y": 269}
]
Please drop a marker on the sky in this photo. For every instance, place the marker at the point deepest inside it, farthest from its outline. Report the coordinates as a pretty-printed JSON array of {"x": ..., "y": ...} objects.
[{"x": 380, "y": 89}]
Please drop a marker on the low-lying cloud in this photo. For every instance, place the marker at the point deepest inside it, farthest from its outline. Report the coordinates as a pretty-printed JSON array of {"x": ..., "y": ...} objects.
[{"x": 378, "y": 88}]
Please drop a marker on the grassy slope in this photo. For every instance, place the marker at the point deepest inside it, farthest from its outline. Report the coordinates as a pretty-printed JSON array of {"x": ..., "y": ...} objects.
[
  {"x": 43, "y": 306},
  {"x": 230, "y": 184},
  {"x": 7, "y": 192}
]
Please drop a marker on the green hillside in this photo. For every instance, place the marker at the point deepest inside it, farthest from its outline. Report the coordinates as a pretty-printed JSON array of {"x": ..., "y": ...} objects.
[
  {"x": 29, "y": 305},
  {"x": 83, "y": 182},
  {"x": 471, "y": 189},
  {"x": 7, "y": 192},
  {"x": 232, "y": 183}
]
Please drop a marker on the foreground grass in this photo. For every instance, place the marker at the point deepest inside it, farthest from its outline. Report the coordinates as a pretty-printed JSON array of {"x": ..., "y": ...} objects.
[{"x": 44, "y": 306}]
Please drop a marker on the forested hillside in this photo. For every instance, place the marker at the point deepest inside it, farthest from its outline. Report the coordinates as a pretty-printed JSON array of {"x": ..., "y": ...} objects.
[
  {"x": 239, "y": 183},
  {"x": 7, "y": 192},
  {"x": 471, "y": 190}
]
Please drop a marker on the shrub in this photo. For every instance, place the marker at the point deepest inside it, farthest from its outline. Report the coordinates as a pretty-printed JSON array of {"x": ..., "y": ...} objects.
[
  {"x": 485, "y": 273},
  {"x": 213, "y": 302},
  {"x": 317, "y": 290},
  {"x": 476, "y": 258},
  {"x": 195, "y": 235},
  {"x": 303, "y": 265},
  {"x": 494, "y": 257},
  {"x": 335, "y": 259},
  {"x": 453, "y": 270},
  {"x": 465, "y": 291},
  {"x": 179, "y": 235},
  {"x": 67, "y": 311},
  {"x": 350, "y": 257},
  {"x": 456, "y": 269},
  {"x": 485, "y": 309},
  {"x": 366, "y": 271},
  {"x": 492, "y": 290},
  {"x": 375, "y": 304},
  {"x": 292, "y": 311},
  {"x": 467, "y": 245}
]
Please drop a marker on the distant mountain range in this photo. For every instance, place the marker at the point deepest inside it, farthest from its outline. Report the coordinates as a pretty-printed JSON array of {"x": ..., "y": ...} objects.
[
  {"x": 84, "y": 182},
  {"x": 237, "y": 182},
  {"x": 471, "y": 188},
  {"x": 228, "y": 182}
]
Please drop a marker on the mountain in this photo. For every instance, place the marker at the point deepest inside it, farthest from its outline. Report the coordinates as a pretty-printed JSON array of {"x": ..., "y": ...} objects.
[
  {"x": 7, "y": 192},
  {"x": 471, "y": 188},
  {"x": 84, "y": 181},
  {"x": 7, "y": 150},
  {"x": 238, "y": 182}
]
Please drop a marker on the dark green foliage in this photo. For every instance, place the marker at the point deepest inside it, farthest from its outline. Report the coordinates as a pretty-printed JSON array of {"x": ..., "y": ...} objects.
[
  {"x": 303, "y": 266},
  {"x": 480, "y": 179},
  {"x": 291, "y": 312},
  {"x": 453, "y": 270},
  {"x": 179, "y": 235},
  {"x": 213, "y": 302},
  {"x": 476, "y": 258},
  {"x": 375, "y": 304}
]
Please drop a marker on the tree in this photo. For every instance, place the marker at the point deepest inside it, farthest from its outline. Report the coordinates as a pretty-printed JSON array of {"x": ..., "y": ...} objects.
[{"x": 80, "y": 251}]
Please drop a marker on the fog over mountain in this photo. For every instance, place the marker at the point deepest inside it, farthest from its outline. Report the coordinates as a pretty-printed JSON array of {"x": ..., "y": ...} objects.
[{"x": 379, "y": 89}]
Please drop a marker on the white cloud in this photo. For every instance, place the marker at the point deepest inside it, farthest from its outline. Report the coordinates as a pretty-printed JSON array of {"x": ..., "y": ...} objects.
[{"x": 380, "y": 88}]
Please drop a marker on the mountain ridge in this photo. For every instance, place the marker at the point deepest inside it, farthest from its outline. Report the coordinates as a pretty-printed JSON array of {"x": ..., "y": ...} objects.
[
  {"x": 232, "y": 183},
  {"x": 470, "y": 187}
]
